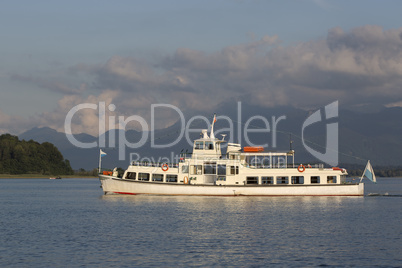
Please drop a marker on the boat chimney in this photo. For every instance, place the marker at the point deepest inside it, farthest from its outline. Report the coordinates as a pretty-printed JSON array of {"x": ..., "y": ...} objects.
[{"x": 205, "y": 134}]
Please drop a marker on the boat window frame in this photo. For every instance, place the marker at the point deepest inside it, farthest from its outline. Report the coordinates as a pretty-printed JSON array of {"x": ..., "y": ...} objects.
[
  {"x": 129, "y": 176},
  {"x": 252, "y": 180},
  {"x": 169, "y": 176},
  {"x": 139, "y": 176},
  {"x": 157, "y": 174},
  {"x": 212, "y": 170},
  {"x": 221, "y": 168},
  {"x": 209, "y": 145},
  {"x": 316, "y": 181},
  {"x": 199, "y": 145},
  {"x": 297, "y": 180},
  {"x": 267, "y": 180},
  {"x": 196, "y": 170},
  {"x": 233, "y": 170},
  {"x": 284, "y": 178},
  {"x": 334, "y": 179},
  {"x": 185, "y": 169}
]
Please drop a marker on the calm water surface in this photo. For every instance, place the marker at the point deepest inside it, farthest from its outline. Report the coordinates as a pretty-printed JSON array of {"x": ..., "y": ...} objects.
[{"x": 69, "y": 222}]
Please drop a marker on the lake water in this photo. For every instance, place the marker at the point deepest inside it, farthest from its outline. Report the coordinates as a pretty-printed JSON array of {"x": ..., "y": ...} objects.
[{"x": 70, "y": 223}]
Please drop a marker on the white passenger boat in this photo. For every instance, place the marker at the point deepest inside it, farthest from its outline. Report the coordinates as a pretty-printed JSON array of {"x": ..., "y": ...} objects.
[{"x": 250, "y": 171}]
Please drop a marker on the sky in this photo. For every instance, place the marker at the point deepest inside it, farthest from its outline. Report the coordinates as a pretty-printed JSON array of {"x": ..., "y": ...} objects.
[{"x": 194, "y": 55}]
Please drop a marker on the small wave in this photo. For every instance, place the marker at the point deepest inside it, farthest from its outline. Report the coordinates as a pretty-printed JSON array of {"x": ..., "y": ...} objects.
[{"x": 384, "y": 194}]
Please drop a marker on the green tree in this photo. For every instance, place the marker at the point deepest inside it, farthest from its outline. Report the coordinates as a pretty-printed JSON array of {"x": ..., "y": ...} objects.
[{"x": 18, "y": 157}]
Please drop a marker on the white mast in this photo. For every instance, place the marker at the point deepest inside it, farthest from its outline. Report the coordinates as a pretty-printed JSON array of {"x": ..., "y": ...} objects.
[{"x": 212, "y": 135}]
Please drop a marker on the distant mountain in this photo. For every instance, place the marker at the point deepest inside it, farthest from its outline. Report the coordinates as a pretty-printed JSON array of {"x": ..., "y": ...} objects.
[{"x": 376, "y": 136}]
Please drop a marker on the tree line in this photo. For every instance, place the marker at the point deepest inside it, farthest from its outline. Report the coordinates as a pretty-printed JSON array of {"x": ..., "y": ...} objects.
[
  {"x": 31, "y": 157},
  {"x": 380, "y": 171}
]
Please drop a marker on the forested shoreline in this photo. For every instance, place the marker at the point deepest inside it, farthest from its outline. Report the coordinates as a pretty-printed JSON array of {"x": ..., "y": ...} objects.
[
  {"x": 33, "y": 158},
  {"x": 30, "y": 157}
]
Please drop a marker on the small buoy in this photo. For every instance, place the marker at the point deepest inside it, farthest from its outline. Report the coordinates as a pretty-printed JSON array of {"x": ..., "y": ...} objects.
[
  {"x": 165, "y": 167},
  {"x": 301, "y": 168}
]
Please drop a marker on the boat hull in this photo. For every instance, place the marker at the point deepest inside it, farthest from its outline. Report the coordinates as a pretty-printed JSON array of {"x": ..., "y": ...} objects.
[{"x": 116, "y": 185}]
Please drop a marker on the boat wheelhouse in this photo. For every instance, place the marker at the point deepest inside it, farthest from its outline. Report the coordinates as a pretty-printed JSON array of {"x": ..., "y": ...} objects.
[{"x": 250, "y": 171}]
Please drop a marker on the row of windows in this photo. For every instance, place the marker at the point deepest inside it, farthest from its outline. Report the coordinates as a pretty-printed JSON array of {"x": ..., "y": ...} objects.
[
  {"x": 147, "y": 177},
  {"x": 285, "y": 180},
  {"x": 200, "y": 145},
  {"x": 249, "y": 180},
  {"x": 211, "y": 169}
]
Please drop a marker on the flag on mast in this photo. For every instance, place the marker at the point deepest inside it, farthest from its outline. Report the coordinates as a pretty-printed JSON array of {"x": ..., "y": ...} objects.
[
  {"x": 102, "y": 153},
  {"x": 369, "y": 173}
]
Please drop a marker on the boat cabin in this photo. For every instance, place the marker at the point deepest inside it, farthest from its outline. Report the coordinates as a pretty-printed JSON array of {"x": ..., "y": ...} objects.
[{"x": 248, "y": 166}]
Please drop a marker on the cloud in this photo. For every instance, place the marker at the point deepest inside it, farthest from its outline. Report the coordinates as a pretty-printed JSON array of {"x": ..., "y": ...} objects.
[
  {"x": 363, "y": 65},
  {"x": 15, "y": 124},
  {"x": 55, "y": 86}
]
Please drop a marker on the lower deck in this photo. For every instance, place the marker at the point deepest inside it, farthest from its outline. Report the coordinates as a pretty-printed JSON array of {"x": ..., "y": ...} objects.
[{"x": 112, "y": 184}]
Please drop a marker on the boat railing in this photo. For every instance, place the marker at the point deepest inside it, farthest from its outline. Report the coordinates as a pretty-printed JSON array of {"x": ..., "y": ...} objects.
[
  {"x": 311, "y": 165},
  {"x": 282, "y": 166},
  {"x": 154, "y": 164}
]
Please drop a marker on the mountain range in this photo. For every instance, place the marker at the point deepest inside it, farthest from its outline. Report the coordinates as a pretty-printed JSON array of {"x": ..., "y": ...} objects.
[{"x": 375, "y": 136}]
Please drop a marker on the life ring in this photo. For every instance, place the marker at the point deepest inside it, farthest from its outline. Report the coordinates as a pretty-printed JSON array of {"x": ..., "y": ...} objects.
[
  {"x": 185, "y": 181},
  {"x": 165, "y": 167},
  {"x": 301, "y": 168}
]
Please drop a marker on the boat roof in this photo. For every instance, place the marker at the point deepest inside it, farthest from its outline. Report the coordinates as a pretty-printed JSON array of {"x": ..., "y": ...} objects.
[{"x": 269, "y": 153}]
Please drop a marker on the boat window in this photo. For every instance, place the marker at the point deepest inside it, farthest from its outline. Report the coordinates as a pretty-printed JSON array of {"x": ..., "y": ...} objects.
[
  {"x": 297, "y": 179},
  {"x": 209, "y": 145},
  {"x": 199, "y": 145},
  {"x": 209, "y": 168},
  {"x": 233, "y": 170},
  {"x": 157, "y": 177},
  {"x": 196, "y": 170},
  {"x": 331, "y": 179},
  {"x": 184, "y": 169},
  {"x": 143, "y": 176},
  {"x": 315, "y": 179},
  {"x": 131, "y": 175},
  {"x": 171, "y": 178},
  {"x": 221, "y": 169},
  {"x": 252, "y": 180},
  {"x": 282, "y": 180},
  {"x": 267, "y": 180}
]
